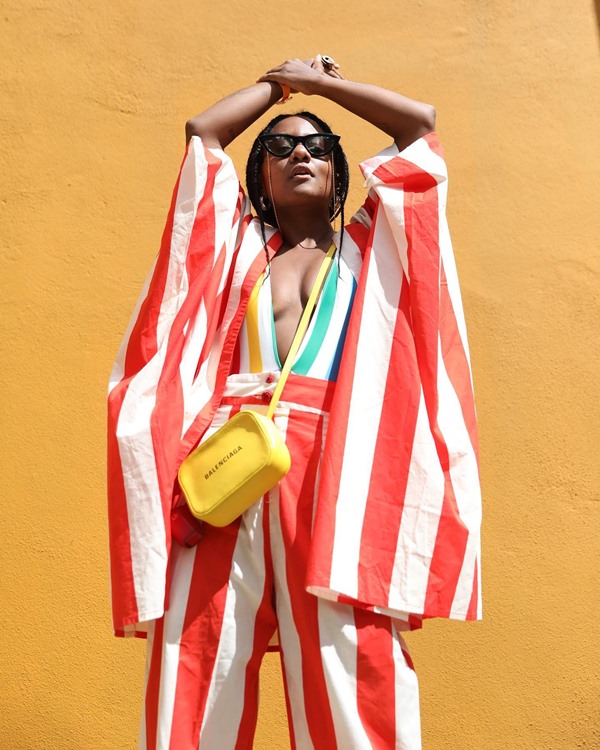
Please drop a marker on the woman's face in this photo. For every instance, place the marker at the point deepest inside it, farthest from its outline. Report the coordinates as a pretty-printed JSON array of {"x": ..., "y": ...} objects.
[{"x": 298, "y": 179}]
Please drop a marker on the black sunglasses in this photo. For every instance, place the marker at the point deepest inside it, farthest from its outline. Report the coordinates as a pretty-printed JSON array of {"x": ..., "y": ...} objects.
[{"x": 281, "y": 144}]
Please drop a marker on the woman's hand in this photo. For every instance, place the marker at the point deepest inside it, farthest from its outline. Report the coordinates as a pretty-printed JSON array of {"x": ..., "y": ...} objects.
[{"x": 301, "y": 76}]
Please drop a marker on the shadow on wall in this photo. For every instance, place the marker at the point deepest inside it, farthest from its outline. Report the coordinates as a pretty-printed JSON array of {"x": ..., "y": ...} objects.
[{"x": 597, "y": 7}]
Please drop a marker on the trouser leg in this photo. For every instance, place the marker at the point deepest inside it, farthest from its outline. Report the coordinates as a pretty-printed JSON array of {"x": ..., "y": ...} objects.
[
  {"x": 349, "y": 680},
  {"x": 205, "y": 653}
]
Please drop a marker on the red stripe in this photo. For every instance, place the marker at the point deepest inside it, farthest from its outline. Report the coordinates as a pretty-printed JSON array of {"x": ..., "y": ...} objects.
[
  {"x": 201, "y": 632},
  {"x": 165, "y": 427},
  {"x": 474, "y": 603},
  {"x": 296, "y": 500},
  {"x": 389, "y": 474},
  {"x": 415, "y": 622},
  {"x": 151, "y": 704},
  {"x": 238, "y": 209},
  {"x": 124, "y": 603},
  {"x": 142, "y": 344},
  {"x": 214, "y": 305},
  {"x": 376, "y": 678},
  {"x": 359, "y": 234},
  {"x": 288, "y": 705},
  {"x": 229, "y": 281},
  {"x": 236, "y": 360},
  {"x": 370, "y": 204},
  {"x": 407, "y": 658},
  {"x": 456, "y": 362},
  {"x": 200, "y": 266},
  {"x": 320, "y": 561},
  {"x": 434, "y": 144},
  {"x": 215, "y": 302},
  {"x": 447, "y": 558},
  {"x": 203, "y": 272}
]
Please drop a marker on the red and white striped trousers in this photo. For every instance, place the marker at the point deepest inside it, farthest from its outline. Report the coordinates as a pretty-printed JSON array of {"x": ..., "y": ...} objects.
[{"x": 348, "y": 678}]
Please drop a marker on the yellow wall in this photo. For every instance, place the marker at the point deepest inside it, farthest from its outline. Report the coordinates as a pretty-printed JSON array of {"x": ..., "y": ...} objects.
[{"x": 94, "y": 97}]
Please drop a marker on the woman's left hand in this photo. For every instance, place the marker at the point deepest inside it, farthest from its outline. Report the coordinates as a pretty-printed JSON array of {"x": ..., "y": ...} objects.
[{"x": 301, "y": 75}]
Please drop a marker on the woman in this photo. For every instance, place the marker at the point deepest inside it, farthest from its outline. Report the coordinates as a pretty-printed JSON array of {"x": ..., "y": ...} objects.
[{"x": 376, "y": 525}]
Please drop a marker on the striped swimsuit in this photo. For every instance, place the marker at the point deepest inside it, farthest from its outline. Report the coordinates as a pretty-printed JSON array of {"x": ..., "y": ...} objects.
[{"x": 321, "y": 350}]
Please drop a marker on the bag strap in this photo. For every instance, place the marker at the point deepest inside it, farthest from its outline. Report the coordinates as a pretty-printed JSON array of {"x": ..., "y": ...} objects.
[{"x": 301, "y": 330}]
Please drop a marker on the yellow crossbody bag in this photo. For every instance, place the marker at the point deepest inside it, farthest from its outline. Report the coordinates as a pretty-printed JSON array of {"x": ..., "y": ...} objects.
[{"x": 247, "y": 457}]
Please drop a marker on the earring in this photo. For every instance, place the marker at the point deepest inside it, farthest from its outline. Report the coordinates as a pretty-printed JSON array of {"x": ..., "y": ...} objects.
[{"x": 265, "y": 203}]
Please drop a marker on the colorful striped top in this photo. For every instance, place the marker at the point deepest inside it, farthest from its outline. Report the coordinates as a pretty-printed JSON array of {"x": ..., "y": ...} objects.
[{"x": 321, "y": 350}]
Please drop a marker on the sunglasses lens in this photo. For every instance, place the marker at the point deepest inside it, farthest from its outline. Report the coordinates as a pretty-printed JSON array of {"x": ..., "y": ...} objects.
[
  {"x": 279, "y": 145},
  {"x": 319, "y": 144}
]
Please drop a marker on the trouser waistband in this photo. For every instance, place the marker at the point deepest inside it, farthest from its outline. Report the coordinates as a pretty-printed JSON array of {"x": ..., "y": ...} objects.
[{"x": 299, "y": 389}]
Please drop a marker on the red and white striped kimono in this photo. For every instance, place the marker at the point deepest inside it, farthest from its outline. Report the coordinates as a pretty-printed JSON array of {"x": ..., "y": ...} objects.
[{"x": 397, "y": 513}]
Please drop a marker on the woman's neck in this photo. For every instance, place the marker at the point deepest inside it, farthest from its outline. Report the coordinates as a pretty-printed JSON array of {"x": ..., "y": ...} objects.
[{"x": 307, "y": 230}]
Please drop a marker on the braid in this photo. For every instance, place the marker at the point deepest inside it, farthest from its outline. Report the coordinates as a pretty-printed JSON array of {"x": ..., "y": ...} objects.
[{"x": 341, "y": 236}]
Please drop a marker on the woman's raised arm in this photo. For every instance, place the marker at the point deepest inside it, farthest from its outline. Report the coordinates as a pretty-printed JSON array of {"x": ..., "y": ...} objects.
[
  {"x": 404, "y": 119},
  {"x": 225, "y": 120}
]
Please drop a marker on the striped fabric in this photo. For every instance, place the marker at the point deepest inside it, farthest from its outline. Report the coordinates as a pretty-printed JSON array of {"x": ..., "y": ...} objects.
[
  {"x": 398, "y": 511},
  {"x": 404, "y": 535},
  {"x": 245, "y": 580},
  {"x": 321, "y": 350}
]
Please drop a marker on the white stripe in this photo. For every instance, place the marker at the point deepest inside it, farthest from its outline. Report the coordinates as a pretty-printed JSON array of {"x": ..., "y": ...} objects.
[
  {"x": 464, "y": 472},
  {"x": 194, "y": 341},
  {"x": 464, "y": 475},
  {"x": 406, "y": 698},
  {"x": 350, "y": 253},
  {"x": 118, "y": 369},
  {"x": 288, "y": 634},
  {"x": 183, "y": 568},
  {"x": 191, "y": 189},
  {"x": 420, "y": 520},
  {"x": 338, "y": 635},
  {"x": 375, "y": 339},
  {"x": 144, "y": 507},
  {"x": 225, "y": 701},
  {"x": 464, "y": 586}
]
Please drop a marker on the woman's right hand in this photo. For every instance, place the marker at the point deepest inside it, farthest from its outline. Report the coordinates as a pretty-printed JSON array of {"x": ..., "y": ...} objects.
[{"x": 301, "y": 75}]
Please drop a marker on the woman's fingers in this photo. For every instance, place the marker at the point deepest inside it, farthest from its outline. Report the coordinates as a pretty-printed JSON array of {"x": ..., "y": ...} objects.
[
  {"x": 302, "y": 75},
  {"x": 327, "y": 66}
]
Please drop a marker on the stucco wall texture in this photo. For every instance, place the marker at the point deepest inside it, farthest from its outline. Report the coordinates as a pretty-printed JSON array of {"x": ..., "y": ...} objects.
[{"x": 94, "y": 97}]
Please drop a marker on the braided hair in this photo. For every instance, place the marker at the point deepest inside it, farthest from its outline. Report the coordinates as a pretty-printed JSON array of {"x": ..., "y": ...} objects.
[{"x": 256, "y": 192}]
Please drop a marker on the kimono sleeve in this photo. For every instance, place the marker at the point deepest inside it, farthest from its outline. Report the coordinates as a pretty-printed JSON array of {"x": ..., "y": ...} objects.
[
  {"x": 397, "y": 522},
  {"x": 148, "y": 382}
]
